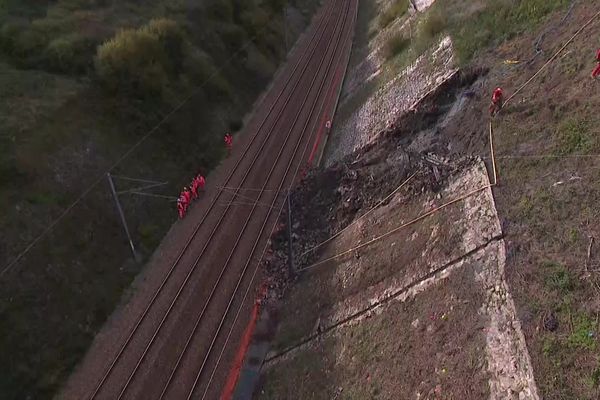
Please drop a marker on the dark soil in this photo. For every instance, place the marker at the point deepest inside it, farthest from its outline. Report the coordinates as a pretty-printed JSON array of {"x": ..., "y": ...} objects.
[
  {"x": 548, "y": 206},
  {"x": 412, "y": 347}
]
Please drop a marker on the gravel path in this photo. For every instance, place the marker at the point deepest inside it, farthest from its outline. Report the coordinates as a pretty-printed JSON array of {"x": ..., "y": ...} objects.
[{"x": 210, "y": 258}]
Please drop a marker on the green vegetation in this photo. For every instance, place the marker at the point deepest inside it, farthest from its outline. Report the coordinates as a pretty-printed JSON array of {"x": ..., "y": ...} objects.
[
  {"x": 558, "y": 277},
  {"x": 433, "y": 24},
  {"x": 396, "y": 10},
  {"x": 496, "y": 21},
  {"x": 80, "y": 82},
  {"x": 584, "y": 333},
  {"x": 396, "y": 45},
  {"x": 474, "y": 26},
  {"x": 574, "y": 135}
]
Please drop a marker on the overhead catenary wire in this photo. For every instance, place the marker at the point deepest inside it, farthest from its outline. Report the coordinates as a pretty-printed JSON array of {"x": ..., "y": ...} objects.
[
  {"x": 241, "y": 196},
  {"x": 281, "y": 185},
  {"x": 158, "y": 196},
  {"x": 101, "y": 176},
  {"x": 240, "y": 203},
  {"x": 495, "y": 179},
  {"x": 310, "y": 49},
  {"x": 556, "y": 54},
  {"x": 256, "y": 269},
  {"x": 493, "y": 157},
  {"x": 233, "y": 188}
]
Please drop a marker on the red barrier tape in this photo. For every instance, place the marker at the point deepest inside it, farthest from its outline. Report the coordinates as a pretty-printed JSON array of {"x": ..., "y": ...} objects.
[{"x": 238, "y": 362}]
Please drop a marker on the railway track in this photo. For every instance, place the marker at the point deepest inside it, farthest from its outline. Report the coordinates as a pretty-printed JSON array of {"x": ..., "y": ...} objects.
[{"x": 166, "y": 352}]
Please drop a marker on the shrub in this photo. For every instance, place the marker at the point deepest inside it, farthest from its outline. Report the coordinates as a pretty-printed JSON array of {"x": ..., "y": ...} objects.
[
  {"x": 399, "y": 8},
  {"x": 201, "y": 71},
  {"x": 255, "y": 21},
  {"x": 171, "y": 37},
  {"x": 9, "y": 33},
  {"x": 70, "y": 54},
  {"x": 259, "y": 65},
  {"x": 220, "y": 10},
  {"x": 141, "y": 61},
  {"x": 233, "y": 36},
  {"x": 396, "y": 45},
  {"x": 433, "y": 25}
]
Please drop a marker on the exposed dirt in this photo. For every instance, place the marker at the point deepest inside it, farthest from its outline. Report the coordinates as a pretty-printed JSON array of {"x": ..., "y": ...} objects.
[
  {"x": 428, "y": 312},
  {"x": 214, "y": 261},
  {"x": 336, "y": 293},
  {"x": 395, "y": 355},
  {"x": 547, "y": 207}
]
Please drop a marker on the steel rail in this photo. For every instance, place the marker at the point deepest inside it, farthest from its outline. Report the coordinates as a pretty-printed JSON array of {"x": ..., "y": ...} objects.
[
  {"x": 310, "y": 50},
  {"x": 258, "y": 239},
  {"x": 295, "y": 176},
  {"x": 289, "y": 134},
  {"x": 212, "y": 234}
]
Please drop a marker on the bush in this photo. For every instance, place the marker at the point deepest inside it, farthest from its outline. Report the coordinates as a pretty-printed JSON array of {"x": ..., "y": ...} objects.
[
  {"x": 171, "y": 37},
  {"x": 259, "y": 65},
  {"x": 433, "y": 25},
  {"x": 233, "y": 36},
  {"x": 70, "y": 54},
  {"x": 220, "y": 10},
  {"x": 396, "y": 45},
  {"x": 254, "y": 22},
  {"x": 141, "y": 61},
  {"x": 201, "y": 71},
  {"x": 399, "y": 8}
]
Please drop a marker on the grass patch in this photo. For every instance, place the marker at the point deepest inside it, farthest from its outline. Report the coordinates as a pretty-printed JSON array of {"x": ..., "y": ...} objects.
[
  {"x": 60, "y": 128},
  {"x": 497, "y": 21},
  {"x": 558, "y": 277},
  {"x": 396, "y": 45},
  {"x": 403, "y": 50},
  {"x": 584, "y": 333},
  {"x": 574, "y": 135},
  {"x": 397, "y": 9},
  {"x": 434, "y": 23}
]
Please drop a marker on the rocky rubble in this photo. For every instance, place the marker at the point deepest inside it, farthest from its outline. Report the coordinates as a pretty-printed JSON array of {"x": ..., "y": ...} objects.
[{"x": 328, "y": 200}]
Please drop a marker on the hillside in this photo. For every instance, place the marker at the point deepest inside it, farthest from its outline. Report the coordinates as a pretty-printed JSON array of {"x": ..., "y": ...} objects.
[
  {"x": 81, "y": 82},
  {"x": 418, "y": 275}
]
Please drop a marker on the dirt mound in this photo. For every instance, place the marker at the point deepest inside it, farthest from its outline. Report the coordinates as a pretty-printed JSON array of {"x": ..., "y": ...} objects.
[{"x": 328, "y": 200}]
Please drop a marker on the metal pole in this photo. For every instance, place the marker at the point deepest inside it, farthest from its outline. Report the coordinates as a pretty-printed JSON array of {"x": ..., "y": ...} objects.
[
  {"x": 289, "y": 223},
  {"x": 122, "y": 215}
]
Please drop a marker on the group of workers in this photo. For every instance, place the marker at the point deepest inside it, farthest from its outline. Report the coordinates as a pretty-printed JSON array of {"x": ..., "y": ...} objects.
[
  {"x": 192, "y": 191},
  {"x": 498, "y": 95}
]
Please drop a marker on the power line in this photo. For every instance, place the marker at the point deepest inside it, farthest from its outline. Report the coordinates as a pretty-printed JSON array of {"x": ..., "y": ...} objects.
[{"x": 102, "y": 175}]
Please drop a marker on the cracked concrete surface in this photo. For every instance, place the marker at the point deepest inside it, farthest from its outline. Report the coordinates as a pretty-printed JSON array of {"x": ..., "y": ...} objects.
[
  {"x": 390, "y": 100},
  {"x": 480, "y": 248}
]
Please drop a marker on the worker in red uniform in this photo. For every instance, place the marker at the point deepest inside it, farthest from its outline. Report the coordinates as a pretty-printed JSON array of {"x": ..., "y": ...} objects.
[
  {"x": 201, "y": 182},
  {"x": 180, "y": 207},
  {"x": 197, "y": 185},
  {"x": 497, "y": 100},
  {"x": 194, "y": 188},
  {"x": 229, "y": 143},
  {"x": 186, "y": 195},
  {"x": 596, "y": 70}
]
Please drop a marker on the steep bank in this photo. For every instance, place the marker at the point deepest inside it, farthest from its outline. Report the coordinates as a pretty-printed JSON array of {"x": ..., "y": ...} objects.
[
  {"x": 398, "y": 305},
  {"x": 65, "y": 121}
]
